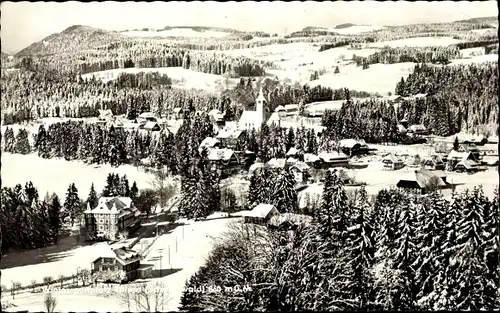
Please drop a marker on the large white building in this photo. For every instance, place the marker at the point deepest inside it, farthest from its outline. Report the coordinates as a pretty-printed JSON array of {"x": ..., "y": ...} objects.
[{"x": 254, "y": 119}]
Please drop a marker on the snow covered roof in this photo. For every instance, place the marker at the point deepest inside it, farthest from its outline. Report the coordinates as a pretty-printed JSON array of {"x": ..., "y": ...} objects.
[
  {"x": 146, "y": 115},
  {"x": 177, "y": 110},
  {"x": 112, "y": 205},
  {"x": 348, "y": 143},
  {"x": 311, "y": 158},
  {"x": 456, "y": 155},
  {"x": 275, "y": 117},
  {"x": 301, "y": 166},
  {"x": 292, "y": 151},
  {"x": 209, "y": 142},
  {"x": 229, "y": 133},
  {"x": 263, "y": 210},
  {"x": 279, "y": 108},
  {"x": 277, "y": 163},
  {"x": 151, "y": 125},
  {"x": 418, "y": 127},
  {"x": 423, "y": 178},
  {"x": 332, "y": 156},
  {"x": 391, "y": 158},
  {"x": 291, "y": 107},
  {"x": 468, "y": 164},
  {"x": 250, "y": 117},
  {"x": 213, "y": 112},
  {"x": 290, "y": 217},
  {"x": 126, "y": 256},
  {"x": 220, "y": 154},
  {"x": 256, "y": 166},
  {"x": 105, "y": 113}
]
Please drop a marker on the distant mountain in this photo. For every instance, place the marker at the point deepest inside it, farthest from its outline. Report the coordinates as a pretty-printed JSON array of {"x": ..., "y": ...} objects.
[
  {"x": 480, "y": 20},
  {"x": 76, "y": 37}
]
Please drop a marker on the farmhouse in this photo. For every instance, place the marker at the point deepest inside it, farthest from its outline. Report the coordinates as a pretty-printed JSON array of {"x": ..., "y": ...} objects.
[
  {"x": 152, "y": 127},
  {"x": 334, "y": 159},
  {"x": 353, "y": 147},
  {"x": 224, "y": 160},
  {"x": 300, "y": 171},
  {"x": 422, "y": 180},
  {"x": 111, "y": 216},
  {"x": 472, "y": 149},
  {"x": 145, "y": 117},
  {"x": 254, "y": 119},
  {"x": 468, "y": 166},
  {"x": 277, "y": 163},
  {"x": 124, "y": 260},
  {"x": 434, "y": 162},
  {"x": 391, "y": 162},
  {"x": 229, "y": 137},
  {"x": 261, "y": 214},
  {"x": 209, "y": 143},
  {"x": 312, "y": 160},
  {"x": 418, "y": 130}
]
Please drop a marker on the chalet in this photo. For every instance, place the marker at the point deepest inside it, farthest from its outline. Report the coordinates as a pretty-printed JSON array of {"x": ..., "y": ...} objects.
[
  {"x": 418, "y": 130},
  {"x": 353, "y": 147},
  {"x": 391, "y": 162},
  {"x": 300, "y": 171},
  {"x": 468, "y": 166},
  {"x": 209, "y": 143},
  {"x": 124, "y": 260},
  {"x": 434, "y": 163},
  {"x": 255, "y": 119},
  {"x": 229, "y": 137},
  {"x": 334, "y": 159},
  {"x": 146, "y": 117},
  {"x": 261, "y": 214},
  {"x": 312, "y": 160},
  {"x": 277, "y": 163},
  {"x": 472, "y": 149},
  {"x": 177, "y": 113},
  {"x": 152, "y": 127},
  {"x": 422, "y": 180},
  {"x": 225, "y": 160},
  {"x": 105, "y": 115},
  {"x": 455, "y": 157},
  {"x": 111, "y": 216}
]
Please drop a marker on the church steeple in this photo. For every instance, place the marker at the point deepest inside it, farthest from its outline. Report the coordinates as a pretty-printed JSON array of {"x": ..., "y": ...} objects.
[{"x": 260, "y": 103}]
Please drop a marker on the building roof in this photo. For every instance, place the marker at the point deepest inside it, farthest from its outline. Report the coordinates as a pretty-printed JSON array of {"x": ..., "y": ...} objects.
[
  {"x": 214, "y": 112},
  {"x": 112, "y": 205},
  {"x": 151, "y": 125},
  {"x": 436, "y": 159},
  {"x": 311, "y": 158},
  {"x": 348, "y": 143},
  {"x": 292, "y": 151},
  {"x": 333, "y": 156},
  {"x": 263, "y": 210},
  {"x": 291, "y": 107},
  {"x": 391, "y": 158},
  {"x": 422, "y": 178},
  {"x": 301, "y": 166},
  {"x": 209, "y": 142},
  {"x": 456, "y": 155},
  {"x": 256, "y": 166},
  {"x": 220, "y": 154},
  {"x": 275, "y": 117},
  {"x": 468, "y": 164},
  {"x": 105, "y": 113},
  {"x": 218, "y": 117},
  {"x": 277, "y": 163},
  {"x": 292, "y": 218},
  {"x": 146, "y": 115},
  {"x": 229, "y": 133},
  {"x": 401, "y": 128},
  {"x": 418, "y": 127},
  {"x": 260, "y": 97},
  {"x": 250, "y": 117},
  {"x": 126, "y": 256},
  {"x": 177, "y": 110},
  {"x": 279, "y": 108}
]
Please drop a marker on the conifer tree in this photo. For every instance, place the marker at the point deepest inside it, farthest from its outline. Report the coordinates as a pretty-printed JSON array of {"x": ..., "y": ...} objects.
[
  {"x": 92, "y": 198},
  {"x": 22, "y": 144},
  {"x": 41, "y": 144},
  {"x": 284, "y": 196},
  {"x": 253, "y": 197},
  {"x": 134, "y": 191},
  {"x": 9, "y": 140},
  {"x": 72, "y": 204},
  {"x": 55, "y": 216},
  {"x": 124, "y": 187}
]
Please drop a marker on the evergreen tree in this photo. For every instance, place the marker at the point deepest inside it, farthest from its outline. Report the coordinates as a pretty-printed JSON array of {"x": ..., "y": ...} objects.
[
  {"x": 337, "y": 71},
  {"x": 22, "y": 144},
  {"x": 124, "y": 187},
  {"x": 284, "y": 196},
  {"x": 41, "y": 144},
  {"x": 55, "y": 216},
  {"x": 108, "y": 188},
  {"x": 92, "y": 198},
  {"x": 72, "y": 204},
  {"x": 253, "y": 197},
  {"x": 456, "y": 145},
  {"x": 134, "y": 191}
]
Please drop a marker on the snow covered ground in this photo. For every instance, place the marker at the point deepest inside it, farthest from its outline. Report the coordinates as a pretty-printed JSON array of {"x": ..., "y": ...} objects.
[
  {"x": 417, "y": 42},
  {"x": 357, "y": 29},
  {"x": 55, "y": 175}
]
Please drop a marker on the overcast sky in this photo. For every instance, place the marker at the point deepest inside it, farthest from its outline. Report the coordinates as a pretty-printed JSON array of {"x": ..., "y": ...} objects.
[{"x": 23, "y": 23}]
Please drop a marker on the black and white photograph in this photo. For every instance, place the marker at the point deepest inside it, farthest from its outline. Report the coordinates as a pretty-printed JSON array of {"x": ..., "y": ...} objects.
[{"x": 249, "y": 156}]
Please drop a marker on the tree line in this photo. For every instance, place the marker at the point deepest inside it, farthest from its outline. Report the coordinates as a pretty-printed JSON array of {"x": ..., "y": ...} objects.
[
  {"x": 388, "y": 55},
  {"x": 397, "y": 251}
]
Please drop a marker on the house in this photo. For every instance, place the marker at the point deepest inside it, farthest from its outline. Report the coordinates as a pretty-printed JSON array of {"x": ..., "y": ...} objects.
[
  {"x": 291, "y": 108},
  {"x": 152, "y": 127},
  {"x": 353, "y": 147},
  {"x": 214, "y": 112},
  {"x": 434, "y": 163},
  {"x": 312, "y": 160},
  {"x": 111, "y": 216},
  {"x": 289, "y": 220},
  {"x": 468, "y": 166},
  {"x": 229, "y": 137},
  {"x": 277, "y": 163},
  {"x": 422, "y": 180},
  {"x": 413, "y": 160},
  {"x": 225, "y": 160},
  {"x": 418, "y": 130},
  {"x": 177, "y": 113},
  {"x": 343, "y": 174},
  {"x": 261, "y": 214},
  {"x": 254, "y": 119},
  {"x": 472, "y": 149},
  {"x": 292, "y": 152},
  {"x": 300, "y": 171},
  {"x": 105, "y": 115},
  {"x": 456, "y": 157},
  {"x": 280, "y": 110},
  {"x": 275, "y": 119},
  {"x": 145, "y": 117},
  {"x": 391, "y": 162},
  {"x": 209, "y": 143},
  {"x": 334, "y": 159},
  {"x": 124, "y": 260},
  {"x": 402, "y": 129}
]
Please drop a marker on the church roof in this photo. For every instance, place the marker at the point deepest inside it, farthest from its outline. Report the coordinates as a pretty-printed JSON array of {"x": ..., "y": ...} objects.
[
  {"x": 250, "y": 117},
  {"x": 261, "y": 96}
]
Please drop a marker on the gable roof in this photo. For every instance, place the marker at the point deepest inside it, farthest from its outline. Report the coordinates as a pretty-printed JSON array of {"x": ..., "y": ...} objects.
[
  {"x": 301, "y": 166},
  {"x": 311, "y": 158},
  {"x": 391, "y": 158},
  {"x": 177, "y": 110},
  {"x": 291, "y": 107},
  {"x": 146, "y": 115},
  {"x": 349, "y": 143},
  {"x": 468, "y": 164},
  {"x": 126, "y": 256},
  {"x": 263, "y": 210},
  {"x": 277, "y": 163},
  {"x": 229, "y": 133},
  {"x": 105, "y": 113},
  {"x": 151, "y": 125},
  {"x": 209, "y": 142},
  {"x": 423, "y": 178},
  {"x": 214, "y": 112},
  {"x": 418, "y": 127},
  {"x": 456, "y": 155},
  {"x": 279, "y": 108},
  {"x": 332, "y": 156},
  {"x": 113, "y": 205},
  {"x": 292, "y": 151},
  {"x": 220, "y": 154},
  {"x": 250, "y": 117}
]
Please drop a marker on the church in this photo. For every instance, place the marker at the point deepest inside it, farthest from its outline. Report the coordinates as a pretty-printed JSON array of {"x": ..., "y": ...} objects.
[{"x": 254, "y": 119}]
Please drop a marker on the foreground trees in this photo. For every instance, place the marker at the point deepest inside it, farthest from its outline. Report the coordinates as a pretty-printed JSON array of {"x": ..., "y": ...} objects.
[{"x": 397, "y": 252}]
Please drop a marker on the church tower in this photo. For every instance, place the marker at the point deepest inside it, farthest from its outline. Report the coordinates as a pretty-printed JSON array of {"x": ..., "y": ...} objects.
[{"x": 260, "y": 106}]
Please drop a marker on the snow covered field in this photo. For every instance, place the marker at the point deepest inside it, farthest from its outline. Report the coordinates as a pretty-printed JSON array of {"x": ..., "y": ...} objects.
[
  {"x": 177, "y": 32},
  {"x": 417, "y": 42},
  {"x": 55, "y": 175},
  {"x": 181, "y": 77},
  {"x": 357, "y": 29}
]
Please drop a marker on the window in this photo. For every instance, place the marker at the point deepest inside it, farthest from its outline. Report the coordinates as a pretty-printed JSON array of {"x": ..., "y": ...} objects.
[
  {"x": 101, "y": 221},
  {"x": 101, "y": 268},
  {"x": 116, "y": 268},
  {"x": 106, "y": 227},
  {"x": 100, "y": 227}
]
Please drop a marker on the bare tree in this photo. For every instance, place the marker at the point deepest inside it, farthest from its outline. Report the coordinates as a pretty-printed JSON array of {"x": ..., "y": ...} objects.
[
  {"x": 50, "y": 302},
  {"x": 47, "y": 280},
  {"x": 151, "y": 298},
  {"x": 33, "y": 285},
  {"x": 84, "y": 276}
]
